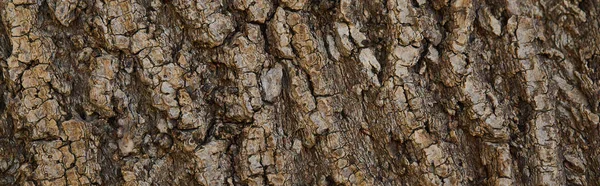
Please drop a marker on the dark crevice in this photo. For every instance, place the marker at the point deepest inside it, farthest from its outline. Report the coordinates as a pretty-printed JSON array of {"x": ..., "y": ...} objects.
[{"x": 5, "y": 45}]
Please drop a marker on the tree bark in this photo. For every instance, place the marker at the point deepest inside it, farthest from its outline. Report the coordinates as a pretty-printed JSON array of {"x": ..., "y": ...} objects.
[{"x": 299, "y": 92}]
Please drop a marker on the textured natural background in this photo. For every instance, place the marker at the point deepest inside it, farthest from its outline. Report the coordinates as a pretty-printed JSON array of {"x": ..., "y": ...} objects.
[{"x": 299, "y": 92}]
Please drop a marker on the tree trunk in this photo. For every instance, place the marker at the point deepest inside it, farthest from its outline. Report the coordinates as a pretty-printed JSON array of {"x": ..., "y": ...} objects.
[{"x": 299, "y": 92}]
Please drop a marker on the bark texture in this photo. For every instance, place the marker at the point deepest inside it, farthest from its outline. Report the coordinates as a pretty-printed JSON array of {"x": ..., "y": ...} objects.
[{"x": 299, "y": 92}]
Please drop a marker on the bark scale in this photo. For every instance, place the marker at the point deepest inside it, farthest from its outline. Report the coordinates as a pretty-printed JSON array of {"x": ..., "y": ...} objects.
[{"x": 298, "y": 92}]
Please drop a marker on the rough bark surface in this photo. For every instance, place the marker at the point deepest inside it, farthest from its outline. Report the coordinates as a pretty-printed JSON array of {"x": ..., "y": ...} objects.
[{"x": 299, "y": 92}]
